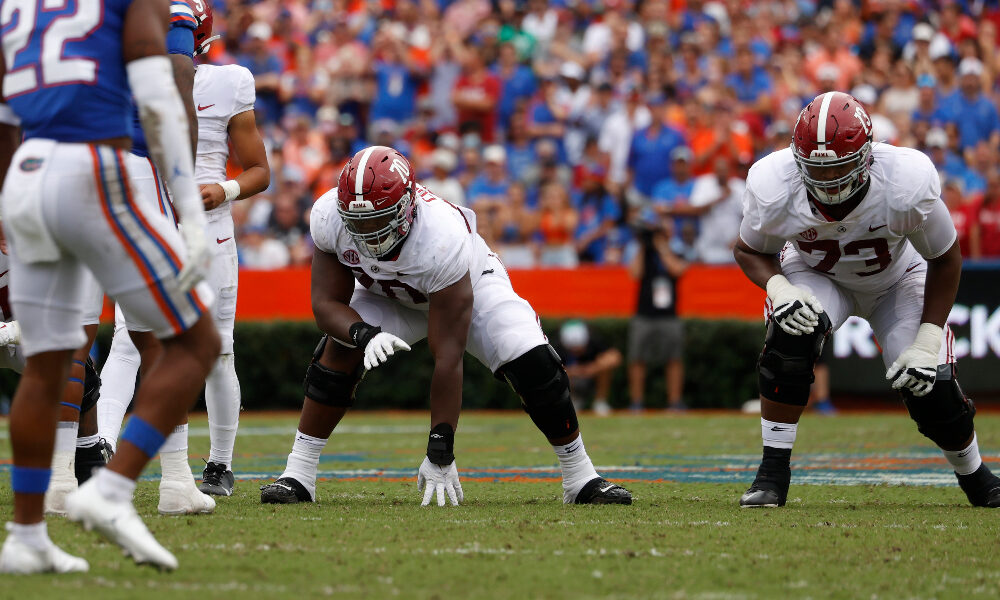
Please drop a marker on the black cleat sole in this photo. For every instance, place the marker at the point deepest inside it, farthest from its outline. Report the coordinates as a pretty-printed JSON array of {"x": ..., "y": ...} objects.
[
  {"x": 284, "y": 490},
  {"x": 602, "y": 491}
]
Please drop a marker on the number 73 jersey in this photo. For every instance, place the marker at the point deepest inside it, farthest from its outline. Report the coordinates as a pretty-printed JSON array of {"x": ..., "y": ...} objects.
[{"x": 900, "y": 222}]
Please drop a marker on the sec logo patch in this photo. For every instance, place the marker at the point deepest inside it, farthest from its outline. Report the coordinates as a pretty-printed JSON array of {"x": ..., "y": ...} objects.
[
  {"x": 351, "y": 257},
  {"x": 809, "y": 234}
]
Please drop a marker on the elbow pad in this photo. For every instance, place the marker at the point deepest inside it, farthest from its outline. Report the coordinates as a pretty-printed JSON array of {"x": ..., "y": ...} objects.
[{"x": 165, "y": 124}]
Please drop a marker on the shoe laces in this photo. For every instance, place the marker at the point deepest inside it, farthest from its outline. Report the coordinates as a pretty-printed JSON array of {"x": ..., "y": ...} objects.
[{"x": 213, "y": 473}]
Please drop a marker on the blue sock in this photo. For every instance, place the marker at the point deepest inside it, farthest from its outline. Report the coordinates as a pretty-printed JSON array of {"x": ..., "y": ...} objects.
[
  {"x": 29, "y": 480},
  {"x": 143, "y": 436}
]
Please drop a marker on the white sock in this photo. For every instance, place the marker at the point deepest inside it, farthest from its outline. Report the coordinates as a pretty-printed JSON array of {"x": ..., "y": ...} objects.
[
  {"x": 177, "y": 440},
  {"x": 66, "y": 436},
  {"x": 577, "y": 469},
  {"x": 967, "y": 460},
  {"x": 35, "y": 535},
  {"x": 88, "y": 441},
  {"x": 117, "y": 386},
  {"x": 303, "y": 462},
  {"x": 778, "y": 435},
  {"x": 113, "y": 486},
  {"x": 222, "y": 398}
]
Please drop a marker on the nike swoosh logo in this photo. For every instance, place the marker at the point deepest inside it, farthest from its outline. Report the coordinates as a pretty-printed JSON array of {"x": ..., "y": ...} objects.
[
  {"x": 602, "y": 490},
  {"x": 910, "y": 268},
  {"x": 5, "y": 272},
  {"x": 780, "y": 429},
  {"x": 222, "y": 240},
  {"x": 870, "y": 228},
  {"x": 200, "y": 107}
]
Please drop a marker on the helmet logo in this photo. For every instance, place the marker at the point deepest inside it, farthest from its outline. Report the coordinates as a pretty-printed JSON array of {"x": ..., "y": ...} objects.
[
  {"x": 199, "y": 6},
  {"x": 866, "y": 122},
  {"x": 399, "y": 167},
  {"x": 361, "y": 206}
]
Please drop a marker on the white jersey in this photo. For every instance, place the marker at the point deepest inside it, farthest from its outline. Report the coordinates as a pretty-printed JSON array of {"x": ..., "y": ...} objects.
[
  {"x": 901, "y": 219},
  {"x": 220, "y": 93},
  {"x": 440, "y": 249}
]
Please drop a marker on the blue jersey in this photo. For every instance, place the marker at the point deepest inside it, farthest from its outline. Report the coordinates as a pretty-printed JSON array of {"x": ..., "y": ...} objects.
[
  {"x": 65, "y": 72},
  {"x": 180, "y": 40}
]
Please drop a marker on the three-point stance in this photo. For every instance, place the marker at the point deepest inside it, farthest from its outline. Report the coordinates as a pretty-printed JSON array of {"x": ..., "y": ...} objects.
[
  {"x": 835, "y": 226},
  {"x": 394, "y": 264}
]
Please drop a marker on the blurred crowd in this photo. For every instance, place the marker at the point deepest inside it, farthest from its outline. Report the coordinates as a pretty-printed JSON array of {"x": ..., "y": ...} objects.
[{"x": 570, "y": 126}]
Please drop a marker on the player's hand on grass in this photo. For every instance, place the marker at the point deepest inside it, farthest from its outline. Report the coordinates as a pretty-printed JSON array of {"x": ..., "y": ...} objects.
[
  {"x": 212, "y": 195},
  {"x": 796, "y": 311},
  {"x": 199, "y": 256},
  {"x": 432, "y": 478},
  {"x": 916, "y": 367},
  {"x": 381, "y": 347}
]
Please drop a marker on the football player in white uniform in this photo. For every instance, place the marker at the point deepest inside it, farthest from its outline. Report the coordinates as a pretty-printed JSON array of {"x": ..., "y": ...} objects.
[
  {"x": 224, "y": 97},
  {"x": 395, "y": 264},
  {"x": 835, "y": 226}
]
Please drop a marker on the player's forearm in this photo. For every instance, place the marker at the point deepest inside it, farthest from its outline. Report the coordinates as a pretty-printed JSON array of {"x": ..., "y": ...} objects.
[
  {"x": 941, "y": 286},
  {"x": 758, "y": 268},
  {"x": 446, "y": 390},
  {"x": 253, "y": 180},
  {"x": 184, "y": 78},
  {"x": 335, "y": 319}
]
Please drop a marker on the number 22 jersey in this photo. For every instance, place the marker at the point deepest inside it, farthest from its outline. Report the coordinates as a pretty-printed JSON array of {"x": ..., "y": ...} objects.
[{"x": 901, "y": 219}]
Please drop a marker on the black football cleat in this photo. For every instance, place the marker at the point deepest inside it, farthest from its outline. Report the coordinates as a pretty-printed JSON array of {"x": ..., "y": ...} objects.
[
  {"x": 90, "y": 458},
  {"x": 770, "y": 486},
  {"x": 217, "y": 480},
  {"x": 284, "y": 490},
  {"x": 982, "y": 487},
  {"x": 602, "y": 491}
]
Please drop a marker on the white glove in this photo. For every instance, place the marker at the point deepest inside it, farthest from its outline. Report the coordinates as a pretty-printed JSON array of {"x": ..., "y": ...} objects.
[
  {"x": 435, "y": 478},
  {"x": 10, "y": 333},
  {"x": 916, "y": 367},
  {"x": 796, "y": 311},
  {"x": 381, "y": 347},
  {"x": 199, "y": 255}
]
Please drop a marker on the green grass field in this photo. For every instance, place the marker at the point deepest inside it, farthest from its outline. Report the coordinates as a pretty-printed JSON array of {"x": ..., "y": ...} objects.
[{"x": 880, "y": 517}]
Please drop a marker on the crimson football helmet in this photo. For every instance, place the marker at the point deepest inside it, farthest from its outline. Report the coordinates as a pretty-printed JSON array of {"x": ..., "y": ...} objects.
[
  {"x": 203, "y": 33},
  {"x": 375, "y": 200},
  {"x": 832, "y": 145}
]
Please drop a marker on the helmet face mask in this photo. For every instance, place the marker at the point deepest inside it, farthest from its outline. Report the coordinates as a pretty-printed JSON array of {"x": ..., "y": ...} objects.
[
  {"x": 377, "y": 232},
  {"x": 375, "y": 200},
  {"x": 832, "y": 146}
]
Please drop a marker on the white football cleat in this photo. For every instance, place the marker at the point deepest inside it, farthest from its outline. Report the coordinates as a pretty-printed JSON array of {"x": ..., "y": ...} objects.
[
  {"x": 119, "y": 522},
  {"x": 22, "y": 559},
  {"x": 183, "y": 498},
  {"x": 62, "y": 483}
]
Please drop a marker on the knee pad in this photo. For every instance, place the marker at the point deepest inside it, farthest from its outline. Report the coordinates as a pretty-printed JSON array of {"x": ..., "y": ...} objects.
[
  {"x": 785, "y": 366},
  {"x": 944, "y": 415},
  {"x": 329, "y": 387},
  {"x": 539, "y": 379},
  {"x": 91, "y": 386}
]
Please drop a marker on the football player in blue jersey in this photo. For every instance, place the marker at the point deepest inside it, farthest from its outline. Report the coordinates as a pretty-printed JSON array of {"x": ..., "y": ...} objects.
[
  {"x": 79, "y": 447},
  {"x": 68, "y": 209}
]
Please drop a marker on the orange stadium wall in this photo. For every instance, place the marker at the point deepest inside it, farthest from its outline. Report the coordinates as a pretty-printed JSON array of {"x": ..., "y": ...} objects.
[{"x": 706, "y": 292}]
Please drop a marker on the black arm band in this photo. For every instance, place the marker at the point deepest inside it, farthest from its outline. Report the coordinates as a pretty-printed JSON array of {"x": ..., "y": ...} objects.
[
  {"x": 362, "y": 333},
  {"x": 441, "y": 445}
]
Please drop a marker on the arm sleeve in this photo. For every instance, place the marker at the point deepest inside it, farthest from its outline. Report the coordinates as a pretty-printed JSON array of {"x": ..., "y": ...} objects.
[
  {"x": 321, "y": 227},
  {"x": 751, "y": 227},
  {"x": 246, "y": 94},
  {"x": 936, "y": 234},
  {"x": 452, "y": 262}
]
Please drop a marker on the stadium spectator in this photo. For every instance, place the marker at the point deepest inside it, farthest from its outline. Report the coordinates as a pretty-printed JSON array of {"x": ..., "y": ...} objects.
[
  {"x": 476, "y": 95},
  {"x": 396, "y": 77},
  {"x": 441, "y": 181},
  {"x": 656, "y": 335},
  {"x": 263, "y": 62},
  {"x": 719, "y": 195},
  {"x": 590, "y": 363},
  {"x": 517, "y": 83},
  {"x": 972, "y": 113},
  {"x": 651, "y": 149},
  {"x": 516, "y": 229},
  {"x": 557, "y": 223},
  {"x": 962, "y": 213},
  {"x": 488, "y": 192},
  {"x": 984, "y": 235}
]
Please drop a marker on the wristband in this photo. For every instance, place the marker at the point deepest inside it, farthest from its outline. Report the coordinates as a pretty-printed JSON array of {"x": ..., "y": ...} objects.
[
  {"x": 362, "y": 333},
  {"x": 441, "y": 445},
  {"x": 232, "y": 189}
]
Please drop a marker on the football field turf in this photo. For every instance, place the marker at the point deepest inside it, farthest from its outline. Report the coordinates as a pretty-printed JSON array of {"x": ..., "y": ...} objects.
[{"x": 873, "y": 512}]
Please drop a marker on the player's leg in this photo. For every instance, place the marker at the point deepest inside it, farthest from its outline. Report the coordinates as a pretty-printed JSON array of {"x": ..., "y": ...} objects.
[
  {"x": 331, "y": 378},
  {"x": 136, "y": 253},
  {"x": 785, "y": 372},
  {"x": 118, "y": 379},
  {"x": 505, "y": 336},
  {"x": 222, "y": 388},
  {"x": 639, "y": 341},
  {"x": 64, "y": 456},
  {"x": 92, "y": 452},
  {"x": 49, "y": 336},
  {"x": 945, "y": 415}
]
